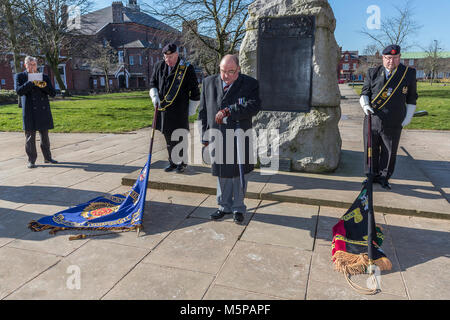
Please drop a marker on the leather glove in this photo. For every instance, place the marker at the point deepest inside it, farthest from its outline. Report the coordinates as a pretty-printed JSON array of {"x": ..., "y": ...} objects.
[
  {"x": 155, "y": 97},
  {"x": 193, "y": 105},
  {"x": 222, "y": 114},
  {"x": 365, "y": 104},
  {"x": 410, "y": 108}
]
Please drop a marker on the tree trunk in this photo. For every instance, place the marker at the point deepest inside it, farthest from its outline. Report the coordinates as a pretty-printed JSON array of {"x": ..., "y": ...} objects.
[{"x": 54, "y": 62}]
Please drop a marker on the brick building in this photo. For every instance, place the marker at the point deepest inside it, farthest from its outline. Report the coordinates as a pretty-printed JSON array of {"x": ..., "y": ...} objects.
[
  {"x": 137, "y": 37},
  {"x": 347, "y": 66}
]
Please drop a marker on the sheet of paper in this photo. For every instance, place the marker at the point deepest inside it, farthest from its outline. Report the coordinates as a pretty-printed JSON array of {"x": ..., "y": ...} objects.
[{"x": 35, "y": 76}]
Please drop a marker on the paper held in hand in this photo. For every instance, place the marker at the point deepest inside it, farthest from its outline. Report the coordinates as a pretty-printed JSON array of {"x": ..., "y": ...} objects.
[{"x": 35, "y": 77}]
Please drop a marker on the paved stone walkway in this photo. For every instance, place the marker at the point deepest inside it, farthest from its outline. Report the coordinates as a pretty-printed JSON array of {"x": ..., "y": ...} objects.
[{"x": 282, "y": 251}]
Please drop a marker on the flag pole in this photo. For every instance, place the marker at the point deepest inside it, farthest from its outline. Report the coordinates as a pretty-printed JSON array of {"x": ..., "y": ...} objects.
[
  {"x": 152, "y": 138},
  {"x": 371, "y": 232}
]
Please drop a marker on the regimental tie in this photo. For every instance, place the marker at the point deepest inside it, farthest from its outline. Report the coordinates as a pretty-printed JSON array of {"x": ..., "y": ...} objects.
[{"x": 225, "y": 89}]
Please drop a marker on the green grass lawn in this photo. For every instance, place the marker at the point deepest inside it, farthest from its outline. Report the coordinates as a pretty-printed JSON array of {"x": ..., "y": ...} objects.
[
  {"x": 435, "y": 100},
  {"x": 116, "y": 112}
]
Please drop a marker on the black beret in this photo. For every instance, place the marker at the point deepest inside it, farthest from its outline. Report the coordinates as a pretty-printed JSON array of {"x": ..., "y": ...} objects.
[
  {"x": 169, "y": 48},
  {"x": 391, "y": 50}
]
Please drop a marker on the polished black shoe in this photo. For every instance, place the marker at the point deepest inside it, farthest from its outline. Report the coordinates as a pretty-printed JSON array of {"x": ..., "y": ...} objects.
[
  {"x": 238, "y": 217},
  {"x": 50, "y": 161},
  {"x": 170, "y": 167},
  {"x": 376, "y": 179},
  {"x": 31, "y": 165},
  {"x": 385, "y": 184},
  {"x": 181, "y": 168},
  {"x": 218, "y": 214}
]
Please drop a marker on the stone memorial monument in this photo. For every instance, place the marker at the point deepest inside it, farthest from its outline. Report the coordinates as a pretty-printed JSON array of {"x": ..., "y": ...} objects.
[{"x": 290, "y": 48}]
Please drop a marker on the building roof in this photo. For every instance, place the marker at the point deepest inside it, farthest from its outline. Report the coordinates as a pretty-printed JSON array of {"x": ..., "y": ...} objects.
[
  {"x": 423, "y": 55},
  {"x": 140, "y": 44},
  {"x": 95, "y": 21}
]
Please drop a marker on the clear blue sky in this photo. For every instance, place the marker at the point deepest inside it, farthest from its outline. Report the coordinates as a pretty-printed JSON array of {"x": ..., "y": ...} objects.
[{"x": 351, "y": 17}]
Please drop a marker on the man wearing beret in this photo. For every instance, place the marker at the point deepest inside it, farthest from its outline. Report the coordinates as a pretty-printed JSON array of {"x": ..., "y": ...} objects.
[
  {"x": 389, "y": 93},
  {"x": 174, "y": 89}
]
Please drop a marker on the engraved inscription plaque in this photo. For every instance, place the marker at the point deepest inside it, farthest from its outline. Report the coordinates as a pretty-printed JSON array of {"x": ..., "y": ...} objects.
[{"x": 284, "y": 55}]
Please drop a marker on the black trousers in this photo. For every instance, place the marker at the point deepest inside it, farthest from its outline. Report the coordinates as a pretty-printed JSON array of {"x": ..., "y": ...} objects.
[
  {"x": 30, "y": 145},
  {"x": 170, "y": 145},
  {"x": 385, "y": 143}
]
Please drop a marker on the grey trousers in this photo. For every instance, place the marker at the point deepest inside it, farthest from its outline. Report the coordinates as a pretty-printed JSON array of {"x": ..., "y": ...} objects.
[
  {"x": 230, "y": 197},
  {"x": 30, "y": 145}
]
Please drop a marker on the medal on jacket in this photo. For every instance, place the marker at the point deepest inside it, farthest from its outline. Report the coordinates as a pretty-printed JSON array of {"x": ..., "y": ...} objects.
[{"x": 390, "y": 88}]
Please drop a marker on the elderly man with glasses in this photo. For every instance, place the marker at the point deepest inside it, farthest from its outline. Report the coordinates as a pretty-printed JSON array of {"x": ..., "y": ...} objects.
[
  {"x": 227, "y": 100},
  {"x": 36, "y": 112},
  {"x": 390, "y": 94}
]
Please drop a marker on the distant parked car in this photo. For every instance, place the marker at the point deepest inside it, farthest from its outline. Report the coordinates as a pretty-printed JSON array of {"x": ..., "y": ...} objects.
[{"x": 340, "y": 81}]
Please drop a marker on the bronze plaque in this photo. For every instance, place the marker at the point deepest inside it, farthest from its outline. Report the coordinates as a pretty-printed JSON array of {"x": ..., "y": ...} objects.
[{"x": 284, "y": 55}]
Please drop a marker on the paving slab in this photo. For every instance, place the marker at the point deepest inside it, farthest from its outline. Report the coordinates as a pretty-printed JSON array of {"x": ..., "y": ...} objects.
[
  {"x": 20, "y": 266},
  {"x": 199, "y": 245},
  {"x": 89, "y": 273},
  {"x": 271, "y": 270},
  {"x": 154, "y": 282},
  {"x": 283, "y": 224}
]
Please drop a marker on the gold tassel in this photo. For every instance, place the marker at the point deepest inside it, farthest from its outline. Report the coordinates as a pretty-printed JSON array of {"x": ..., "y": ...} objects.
[
  {"x": 353, "y": 264},
  {"x": 78, "y": 237}
]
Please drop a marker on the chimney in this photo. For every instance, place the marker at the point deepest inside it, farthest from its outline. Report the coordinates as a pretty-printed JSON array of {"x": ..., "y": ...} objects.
[
  {"x": 132, "y": 4},
  {"x": 117, "y": 8}
]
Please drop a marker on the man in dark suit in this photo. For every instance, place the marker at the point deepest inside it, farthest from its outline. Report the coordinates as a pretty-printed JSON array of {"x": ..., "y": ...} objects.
[
  {"x": 174, "y": 85},
  {"x": 228, "y": 99},
  {"x": 36, "y": 112},
  {"x": 390, "y": 93}
]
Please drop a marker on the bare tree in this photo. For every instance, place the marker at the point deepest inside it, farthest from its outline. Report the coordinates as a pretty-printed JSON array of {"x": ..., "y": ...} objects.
[
  {"x": 397, "y": 29},
  {"x": 433, "y": 61},
  {"x": 218, "y": 29},
  {"x": 48, "y": 23},
  {"x": 104, "y": 58}
]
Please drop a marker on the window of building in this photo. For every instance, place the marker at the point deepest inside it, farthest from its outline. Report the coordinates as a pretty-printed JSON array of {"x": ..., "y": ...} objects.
[
  {"x": 346, "y": 57},
  {"x": 120, "y": 53},
  {"x": 345, "y": 66},
  {"x": 131, "y": 60},
  {"x": 140, "y": 59},
  {"x": 3, "y": 82},
  {"x": 411, "y": 62},
  {"x": 354, "y": 66},
  {"x": 102, "y": 81}
]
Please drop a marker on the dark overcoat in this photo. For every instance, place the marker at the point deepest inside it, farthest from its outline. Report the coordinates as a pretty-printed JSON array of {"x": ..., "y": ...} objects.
[
  {"x": 393, "y": 114},
  {"x": 176, "y": 116},
  {"x": 36, "y": 113},
  {"x": 243, "y": 101}
]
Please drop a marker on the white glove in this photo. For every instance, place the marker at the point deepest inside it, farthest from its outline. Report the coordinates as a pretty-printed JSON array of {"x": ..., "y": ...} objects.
[
  {"x": 365, "y": 105},
  {"x": 410, "y": 108},
  {"x": 193, "y": 105},
  {"x": 154, "y": 96}
]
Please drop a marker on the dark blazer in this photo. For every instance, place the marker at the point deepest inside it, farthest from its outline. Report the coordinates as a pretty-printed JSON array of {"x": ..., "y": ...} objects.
[
  {"x": 213, "y": 99},
  {"x": 177, "y": 115},
  {"x": 393, "y": 114},
  {"x": 36, "y": 113}
]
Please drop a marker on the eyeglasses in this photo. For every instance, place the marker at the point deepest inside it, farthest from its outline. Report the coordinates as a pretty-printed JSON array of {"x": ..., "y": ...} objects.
[
  {"x": 229, "y": 72},
  {"x": 390, "y": 58}
]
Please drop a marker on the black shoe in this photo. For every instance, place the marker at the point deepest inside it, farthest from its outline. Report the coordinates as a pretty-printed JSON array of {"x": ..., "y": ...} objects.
[
  {"x": 181, "y": 168},
  {"x": 238, "y": 217},
  {"x": 376, "y": 179},
  {"x": 170, "y": 167},
  {"x": 218, "y": 214},
  {"x": 31, "y": 165},
  {"x": 50, "y": 161},
  {"x": 385, "y": 184}
]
